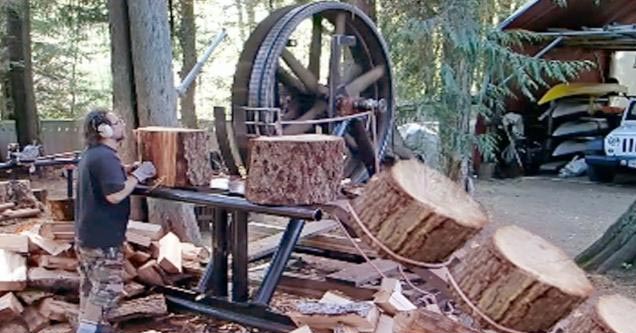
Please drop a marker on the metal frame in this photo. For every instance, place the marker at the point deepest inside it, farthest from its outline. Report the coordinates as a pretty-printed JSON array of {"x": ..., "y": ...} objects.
[{"x": 211, "y": 296}]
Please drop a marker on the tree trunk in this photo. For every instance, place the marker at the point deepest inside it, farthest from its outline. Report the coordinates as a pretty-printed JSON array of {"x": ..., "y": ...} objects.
[
  {"x": 615, "y": 248},
  {"x": 417, "y": 212},
  {"x": 157, "y": 98},
  {"x": 520, "y": 281},
  {"x": 21, "y": 92},
  {"x": 187, "y": 39},
  {"x": 367, "y": 6},
  {"x": 124, "y": 103}
]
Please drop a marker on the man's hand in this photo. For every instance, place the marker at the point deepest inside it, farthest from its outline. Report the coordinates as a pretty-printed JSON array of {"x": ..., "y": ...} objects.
[
  {"x": 145, "y": 171},
  {"x": 131, "y": 167}
]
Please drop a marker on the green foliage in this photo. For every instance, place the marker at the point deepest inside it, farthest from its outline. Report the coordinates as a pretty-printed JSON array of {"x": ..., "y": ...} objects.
[{"x": 452, "y": 64}]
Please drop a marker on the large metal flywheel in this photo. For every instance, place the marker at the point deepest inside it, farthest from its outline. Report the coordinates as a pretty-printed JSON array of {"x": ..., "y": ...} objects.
[{"x": 317, "y": 67}]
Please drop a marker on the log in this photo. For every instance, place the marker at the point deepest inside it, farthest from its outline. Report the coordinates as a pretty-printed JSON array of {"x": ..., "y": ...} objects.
[
  {"x": 34, "y": 319},
  {"x": 6, "y": 205},
  {"x": 520, "y": 281},
  {"x": 14, "y": 243},
  {"x": 170, "y": 254},
  {"x": 57, "y": 310},
  {"x": 423, "y": 321},
  {"x": 151, "y": 306},
  {"x": 180, "y": 155},
  {"x": 150, "y": 230},
  {"x": 13, "y": 271},
  {"x": 10, "y": 214},
  {"x": 19, "y": 192},
  {"x": 53, "y": 280},
  {"x": 64, "y": 263},
  {"x": 10, "y": 307},
  {"x": 295, "y": 170},
  {"x": 416, "y": 212},
  {"x": 362, "y": 316},
  {"x": 610, "y": 313},
  {"x": 62, "y": 209}
]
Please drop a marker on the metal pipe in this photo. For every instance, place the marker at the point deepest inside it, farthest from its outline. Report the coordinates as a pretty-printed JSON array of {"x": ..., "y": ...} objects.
[
  {"x": 69, "y": 183},
  {"x": 240, "y": 291},
  {"x": 219, "y": 252},
  {"x": 229, "y": 202},
  {"x": 277, "y": 266},
  {"x": 196, "y": 69}
]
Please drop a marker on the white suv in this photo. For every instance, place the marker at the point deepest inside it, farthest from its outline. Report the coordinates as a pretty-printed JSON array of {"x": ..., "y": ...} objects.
[{"x": 617, "y": 151}]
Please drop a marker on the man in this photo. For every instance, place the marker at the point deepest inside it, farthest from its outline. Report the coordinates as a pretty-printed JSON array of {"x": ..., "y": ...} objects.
[{"x": 102, "y": 210}]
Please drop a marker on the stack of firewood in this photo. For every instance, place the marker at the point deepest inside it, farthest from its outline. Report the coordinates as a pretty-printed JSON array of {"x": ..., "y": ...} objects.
[
  {"x": 389, "y": 311},
  {"x": 39, "y": 279}
]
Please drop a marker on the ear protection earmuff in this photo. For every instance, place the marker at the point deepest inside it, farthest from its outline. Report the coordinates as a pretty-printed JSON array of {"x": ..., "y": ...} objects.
[
  {"x": 105, "y": 131},
  {"x": 100, "y": 124}
]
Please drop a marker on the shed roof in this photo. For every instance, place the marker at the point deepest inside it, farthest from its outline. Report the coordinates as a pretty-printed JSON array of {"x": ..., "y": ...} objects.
[{"x": 542, "y": 15}]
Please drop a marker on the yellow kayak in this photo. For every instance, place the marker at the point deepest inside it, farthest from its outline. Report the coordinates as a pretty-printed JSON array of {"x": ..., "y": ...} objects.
[{"x": 573, "y": 89}]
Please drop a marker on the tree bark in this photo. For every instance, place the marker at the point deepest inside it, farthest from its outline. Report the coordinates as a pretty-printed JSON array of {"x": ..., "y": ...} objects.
[
  {"x": 21, "y": 92},
  {"x": 616, "y": 247},
  {"x": 187, "y": 39},
  {"x": 520, "y": 281},
  {"x": 295, "y": 170},
  {"x": 417, "y": 212},
  {"x": 157, "y": 97}
]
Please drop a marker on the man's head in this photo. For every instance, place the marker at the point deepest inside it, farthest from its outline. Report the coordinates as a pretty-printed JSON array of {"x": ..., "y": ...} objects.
[{"x": 100, "y": 125}]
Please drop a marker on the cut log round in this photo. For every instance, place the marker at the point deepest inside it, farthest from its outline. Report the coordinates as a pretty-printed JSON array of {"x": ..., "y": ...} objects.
[
  {"x": 180, "y": 155},
  {"x": 612, "y": 313},
  {"x": 295, "y": 169},
  {"x": 520, "y": 281},
  {"x": 417, "y": 212}
]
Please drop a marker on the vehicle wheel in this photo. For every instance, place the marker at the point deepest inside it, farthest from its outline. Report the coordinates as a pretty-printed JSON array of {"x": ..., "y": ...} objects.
[{"x": 600, "y": 174}]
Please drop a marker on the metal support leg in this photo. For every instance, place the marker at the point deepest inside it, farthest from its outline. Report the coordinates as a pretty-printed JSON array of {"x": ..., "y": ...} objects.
[
  {"x": 277, "y": 266},
  {"x": 239, "y": 257},
  {"x": 69, "y": 183},
  {"x": 214, "y": 278}
]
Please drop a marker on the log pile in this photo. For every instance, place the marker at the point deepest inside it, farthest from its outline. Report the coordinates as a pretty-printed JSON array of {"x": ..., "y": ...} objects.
[
  {"x": 389, "y": 311},
  {"x": 39, "y": 279},
  {"x": 17, "y": 201}
]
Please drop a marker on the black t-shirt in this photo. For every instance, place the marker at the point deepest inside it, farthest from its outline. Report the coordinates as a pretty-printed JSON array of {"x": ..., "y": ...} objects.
[{"x": 98, "y": 223}]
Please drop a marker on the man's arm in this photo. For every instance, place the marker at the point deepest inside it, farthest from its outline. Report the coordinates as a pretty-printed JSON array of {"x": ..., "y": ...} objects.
[{"x": 129, "y": 187}]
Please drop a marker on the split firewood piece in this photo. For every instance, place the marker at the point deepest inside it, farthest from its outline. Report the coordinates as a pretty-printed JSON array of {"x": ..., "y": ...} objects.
[
  {"x": 333, "y": 298},
  {"x": 139, "y": 258},
  {"x": 417, "y": 213},
  {"x": 611, "y": 313},
  {"x": 150, "y": 273},
  {"x": 170, "y": 254},
  {"x": 359, "y": 274},
  {"x": 192, "y": 252},
  {"x": 62, "y": 231},
  {"x": 520, "y": 281},
  {"x": 150, "y": 306},
  {"x": 54, "y": 280},
  {"x": 13, "y": 271},
  {"x": 62, "y": 209},
  {"x": 57, "y": 310},
  {"x": 390, "y": 298},
  {"x": 193, "y": 268},
  {"x": 52, "y": 247},
  {"x": 10, "y": 214},
  {"x": 294, "y": 169},
  {"x": 154, "y": 250},
  {"x": 132, "y": 289},
  {"x": 424, "y": 321},
  {"x": 64, "y": 263},
  {"x": 302, "y": 329},
  {"x": 34, "y": 319},
  {"x": 58, "y": 328},
  {"x": 138, "y": 239},
  {"x": 180, "y": 155},
  {"x": 385, "y": 324},
  {"x": 10, "y": 307},
  {"x": 362, "y": 316},
  {"x": 340, "y": 328},
  {"x": 15, "y": 325},
  {"x": 32, "y": 296},
  {"x": 130, "y": 272},
  {"x": 150, "y": 230},
  {"x": 14, "y": 243}
]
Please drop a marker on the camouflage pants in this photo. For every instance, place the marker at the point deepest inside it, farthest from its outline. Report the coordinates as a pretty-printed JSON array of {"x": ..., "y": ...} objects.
[{"x": 101, "y": 282}]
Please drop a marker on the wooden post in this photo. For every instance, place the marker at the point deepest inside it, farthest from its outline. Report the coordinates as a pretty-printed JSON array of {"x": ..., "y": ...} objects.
[
  {"x": 610, "y": 313},
  {"x": 295, "y": 169},
  {"x": 520, "y": 281}
]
